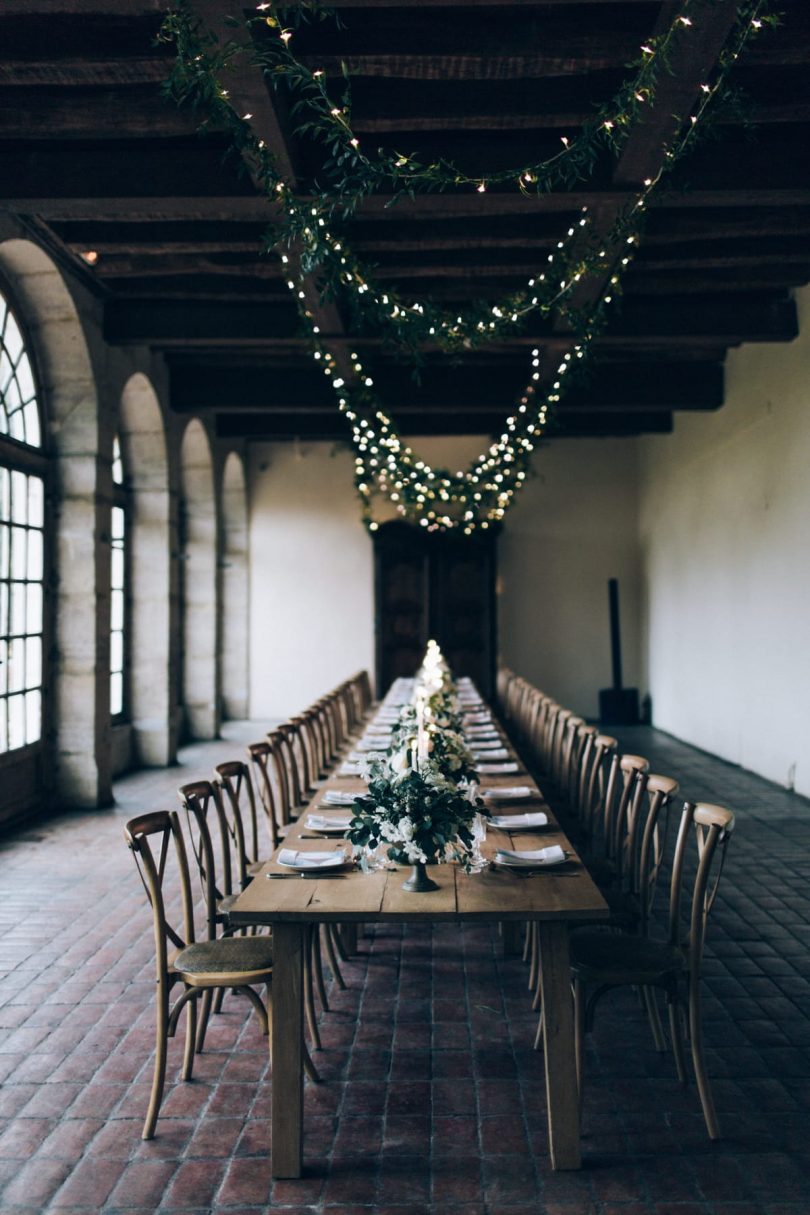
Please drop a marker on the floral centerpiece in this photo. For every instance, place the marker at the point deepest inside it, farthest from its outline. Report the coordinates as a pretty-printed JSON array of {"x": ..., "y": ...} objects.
[{"x": 422, "y": 801}]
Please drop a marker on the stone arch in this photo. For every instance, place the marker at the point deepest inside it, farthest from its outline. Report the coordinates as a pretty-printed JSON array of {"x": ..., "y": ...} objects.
[
  {"x": 199, "y": 692},
  {"x": 143, "y": 444},
  {"x": 234, "y": 584},
  {"x": 79, "y": 697}
]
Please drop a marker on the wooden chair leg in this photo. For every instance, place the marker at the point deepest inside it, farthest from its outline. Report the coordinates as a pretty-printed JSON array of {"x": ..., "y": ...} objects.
[
  {"x": 317, "y": 965},
  {"x": 159, "y": 1075},
  {"x": 337, "y": 938},
  {"x": 579, "y": 1040},
  {"x": 532, "y": 939},
  {"x": 309, "y": 995},
  {"x": 330, "y": 954},
  {"x": 538, "y": 1037},
  {"x": 699, "y": 1063},
  {"x": 191, "y": 1038},
  {"x": 676, "y": 1034},
  {"x": 205, "y": 1013},
  {"x": 219, "y": 995},
  {"x": 650, "y": 1002}
]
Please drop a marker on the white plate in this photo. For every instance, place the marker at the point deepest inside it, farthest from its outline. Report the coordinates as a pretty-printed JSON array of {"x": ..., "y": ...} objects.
[
  {"x": 291, "y": 859},
  {"x": 498, "y": 769},
  {"x": 509, "y": 793},
  {"x": 336, "y": 797},
  {"x": 536, "y": 858},
  {"x": 519, "y": 822},
  {"x": 328, "y": 826}
]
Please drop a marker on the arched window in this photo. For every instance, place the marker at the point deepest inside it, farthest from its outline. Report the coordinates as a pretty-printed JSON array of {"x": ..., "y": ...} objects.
[
  {"x": 22, "y": 540},
  {"x": 118, "y": 590}
]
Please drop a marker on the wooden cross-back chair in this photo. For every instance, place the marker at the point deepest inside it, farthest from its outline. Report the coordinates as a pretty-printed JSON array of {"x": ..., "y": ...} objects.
[
  {"x": 603, "y": 961},
  {"x": 201, "y": 967},
  {"x": 239, "y": 805}
]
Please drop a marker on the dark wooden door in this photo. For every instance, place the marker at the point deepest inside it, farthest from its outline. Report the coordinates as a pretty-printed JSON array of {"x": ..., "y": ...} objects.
[{"x": 434, "y": 585}]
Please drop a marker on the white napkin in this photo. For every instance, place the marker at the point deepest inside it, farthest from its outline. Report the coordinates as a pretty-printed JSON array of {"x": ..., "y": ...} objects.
[
  {"x": 337, "y": 822},
  {"x": 477, "y": 719},
  {"x": 490, "y": 753},
  {"x": 508, "y": 793},
  {"x": 497, "y": 769},
  {"x": 350, "y": 769},
  {"x": 369, "y": 744},
  {"x": 553, "y": 855},
  {"x": 384, "y": 730},
  {"x": 339, "y": 797},
  {"x": 485, "y": 742},
  {"x": 513, "y": 822},
  {"x": 310, "y": 860}
]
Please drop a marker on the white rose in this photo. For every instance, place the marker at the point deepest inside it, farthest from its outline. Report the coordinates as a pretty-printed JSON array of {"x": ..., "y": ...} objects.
[{"x": 406, "y": 829}]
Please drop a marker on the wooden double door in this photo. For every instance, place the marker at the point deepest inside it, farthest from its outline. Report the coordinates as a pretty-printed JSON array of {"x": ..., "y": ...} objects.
[{"x": 434, "y": 585}]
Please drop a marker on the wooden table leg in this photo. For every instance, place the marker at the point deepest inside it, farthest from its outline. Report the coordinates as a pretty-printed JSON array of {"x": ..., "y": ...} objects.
[
  {"x": 558, "y": 1041},
  {"x": 287, "y": 1122}
]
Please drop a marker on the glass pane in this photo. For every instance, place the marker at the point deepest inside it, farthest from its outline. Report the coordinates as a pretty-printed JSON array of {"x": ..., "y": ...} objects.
[
  {"x": 33, "y": 662},
  {"x": 117, "y": 570},
  {"x": 5, "y": 493},
  {"x": 25, "y": 379},
  {"x": 3, "y": 609},
  {"x": 116, "y": 693},
  {"x": 3, "y": 725},
  {"x": 19, "y": 497},
  {"x": 33, "y": 617},
  {"x": 36, "y": 501},
  {"x": 117, "y": 610},
  {"x": 6, "y": 371},
  {"x": 16, "y": 665},
  {"x": 33, "y": 716},
  {"x": 18, "y": 562},
  {"x": 4, "y": 551},
  {"x": 16, "y": 427},
  {"x": 117, "y": 523},
  {"x": 18, "y": 608},
  {"x": 16, "y": 722},
  {"x": 33, "y": 435},
  {"x": 118, "y": 464},
  {"x": 12, "y": 338},
  {"x": 116, "y": 651},
  {"x": 35, "y": 556},
  {"x": 3, "y": 667},
  {"x": 12, "y": 395}
]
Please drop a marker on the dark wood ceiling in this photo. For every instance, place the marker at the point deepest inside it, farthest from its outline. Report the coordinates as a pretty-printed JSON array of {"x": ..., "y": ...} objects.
[{"x": 94, "y": 158}]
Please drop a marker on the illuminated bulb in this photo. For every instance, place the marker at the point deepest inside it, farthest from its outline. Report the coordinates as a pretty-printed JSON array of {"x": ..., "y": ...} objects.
[
  {"x": 90, "y": 256},
  {"x": 481, "y": 187}
]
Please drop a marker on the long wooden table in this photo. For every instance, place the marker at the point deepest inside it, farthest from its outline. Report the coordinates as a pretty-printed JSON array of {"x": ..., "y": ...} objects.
[{"x": 553, "y": 900}]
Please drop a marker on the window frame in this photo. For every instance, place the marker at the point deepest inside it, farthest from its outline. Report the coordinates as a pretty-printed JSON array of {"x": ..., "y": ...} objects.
[{"x": 18, "y": 456}]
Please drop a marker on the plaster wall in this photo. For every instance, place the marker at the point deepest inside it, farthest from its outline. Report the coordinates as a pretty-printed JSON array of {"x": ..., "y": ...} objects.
[{"x": 724, "y": 517}]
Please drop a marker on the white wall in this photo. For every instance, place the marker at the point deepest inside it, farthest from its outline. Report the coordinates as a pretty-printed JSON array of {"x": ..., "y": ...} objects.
[
  {"x": 311, "y": 594},
  {"x": 572, "y": 528},
  {"x": 725, "y": 537}
]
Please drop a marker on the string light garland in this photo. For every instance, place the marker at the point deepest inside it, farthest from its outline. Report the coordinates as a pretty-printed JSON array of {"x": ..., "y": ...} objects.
[
  {"x": 308, "y": 224},
  {"x": 436, "y": 499}
]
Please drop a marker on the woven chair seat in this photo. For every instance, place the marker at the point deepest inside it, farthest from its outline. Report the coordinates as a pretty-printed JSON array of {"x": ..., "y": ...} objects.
[
  {"x": 224, "y": 956},
  {"x": 604, "y": 957}
]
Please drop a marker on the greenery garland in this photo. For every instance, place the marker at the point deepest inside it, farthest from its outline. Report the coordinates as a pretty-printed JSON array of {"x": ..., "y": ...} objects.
[{"x": 435, "y": 498}]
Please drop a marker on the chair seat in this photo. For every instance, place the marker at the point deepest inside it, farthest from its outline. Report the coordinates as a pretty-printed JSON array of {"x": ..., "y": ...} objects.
[
  {"x": 604, "y": 957},
  {"x": 249, "y": 958}
]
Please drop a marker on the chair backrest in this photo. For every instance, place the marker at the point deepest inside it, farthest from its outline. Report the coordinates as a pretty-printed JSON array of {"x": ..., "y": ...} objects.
[
  {"x": 621, "y": 809},
  {"x": 598, "y": 784},
  {"x": 649, "y": 843},
  {"x": 151, "y": 838},
  {"x": 581, "y": 758},
  {"x": 286, "y": 772},
  {"x": 710, "y": 827},
  {"x": 569, "y": 755},
  {"x": 263, "y": 760},
  {"x": 202, "y": 804},
  {"x": 239, "y": 807}
]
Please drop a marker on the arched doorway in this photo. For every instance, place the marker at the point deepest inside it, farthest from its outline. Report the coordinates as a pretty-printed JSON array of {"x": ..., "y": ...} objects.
[
  {"x": 234, "y": 650},
  {"x": 197, "y": 529},
  {"x": 74, "y": 700},
  {"x": 146, "y": 693}
]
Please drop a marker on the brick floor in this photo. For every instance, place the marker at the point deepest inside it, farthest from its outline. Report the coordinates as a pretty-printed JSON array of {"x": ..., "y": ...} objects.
[{"x": 432, "y": 1099}]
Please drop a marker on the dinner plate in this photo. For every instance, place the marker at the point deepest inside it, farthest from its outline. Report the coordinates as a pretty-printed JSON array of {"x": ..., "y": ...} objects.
[
  {"x": 291, "y": 859},
  {"x": 519, "y": 822},
  {"x": 328, "y": 826},
  {"x": 509, "y": 793},
  {"x": 337, "y": 797},
  {"x": 535, "y": 858}
]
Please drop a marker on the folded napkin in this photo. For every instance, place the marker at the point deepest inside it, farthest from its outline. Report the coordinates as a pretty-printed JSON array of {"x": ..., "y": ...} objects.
[
  {"x": 509, "y": 793},
  {"x": 486, "y": 744},
  {"x": 370, "y": 744},
  {"x": 335, "y": 822},
  {"x": 482, "y": 734},
  {"x": 496, "y": 769},
  {"x": 553, "y": 855},
  {"x": 350, "y": 769},
  {"x": 478, "y": 719},
  {"x": 310, "y": 860},
  {"x": 514, "y": 822},
  {"x": 372, "y": 729},
  {"x": 490, "y": 753},
  {"x": 339, "y": 797}
]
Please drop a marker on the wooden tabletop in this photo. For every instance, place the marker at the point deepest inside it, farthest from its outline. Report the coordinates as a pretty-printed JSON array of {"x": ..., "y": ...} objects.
[{"x": 495, "y": 894}]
